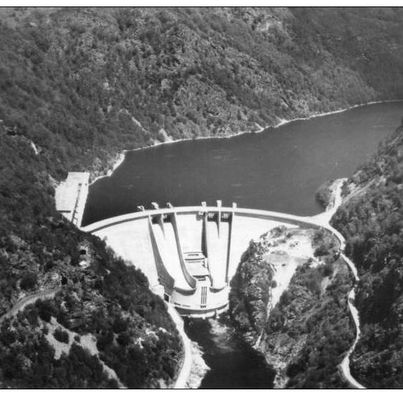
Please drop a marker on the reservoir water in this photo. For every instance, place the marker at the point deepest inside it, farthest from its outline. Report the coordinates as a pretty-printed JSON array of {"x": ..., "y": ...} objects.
[{"x": 279, "y": 169}]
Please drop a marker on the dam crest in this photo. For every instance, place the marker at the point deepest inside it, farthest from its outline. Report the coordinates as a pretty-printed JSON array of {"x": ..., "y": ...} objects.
[{"x": 190, "y": 254}]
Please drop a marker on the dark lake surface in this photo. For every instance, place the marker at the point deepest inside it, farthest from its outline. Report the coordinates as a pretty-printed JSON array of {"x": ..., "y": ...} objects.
[{"x": 279, "y": 169}]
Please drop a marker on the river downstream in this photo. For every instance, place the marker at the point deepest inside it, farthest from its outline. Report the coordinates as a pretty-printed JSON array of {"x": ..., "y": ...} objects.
[
  {"x": 232, "y": 362},
  {"x": 279, "y": 169}
]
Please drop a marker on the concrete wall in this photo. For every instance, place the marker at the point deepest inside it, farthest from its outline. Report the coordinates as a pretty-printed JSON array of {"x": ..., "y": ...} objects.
[
  {"x": 131, "y": 241},
  {"x": 190, "y": 231},
  {"x": 217, "y": 251}
]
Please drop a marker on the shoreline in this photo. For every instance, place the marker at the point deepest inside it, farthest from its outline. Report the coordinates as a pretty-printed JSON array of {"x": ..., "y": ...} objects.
[
  {"x": 322, "y": 114},
  {"x": 118, "y": 160},
  {"x": 261, "y": 129}
]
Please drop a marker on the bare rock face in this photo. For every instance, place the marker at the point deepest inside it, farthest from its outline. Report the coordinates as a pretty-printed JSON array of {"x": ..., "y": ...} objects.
[
  {"x": 250, "y": 291},
  {"x": 280, "y": 351}
]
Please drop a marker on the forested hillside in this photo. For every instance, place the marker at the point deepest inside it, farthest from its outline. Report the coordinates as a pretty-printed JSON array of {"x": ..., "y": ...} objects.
[
  {"x": 77, "y": 86},
  {"x": 371, "y": 219}
]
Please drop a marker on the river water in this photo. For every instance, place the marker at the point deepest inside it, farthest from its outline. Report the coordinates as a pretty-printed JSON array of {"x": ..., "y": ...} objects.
[
  {"x": 232, "y": 362},
  {"x": 279, "y": 169}
]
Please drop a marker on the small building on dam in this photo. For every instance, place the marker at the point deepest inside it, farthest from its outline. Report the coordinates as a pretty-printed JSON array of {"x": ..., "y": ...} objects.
[{"x": 190, "y": 254}]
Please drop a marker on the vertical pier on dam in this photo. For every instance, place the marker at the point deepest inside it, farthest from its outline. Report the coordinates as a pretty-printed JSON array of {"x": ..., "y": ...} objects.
[
  {"x": 168, "y": 250},
  {"x": 217, "y": 239}
]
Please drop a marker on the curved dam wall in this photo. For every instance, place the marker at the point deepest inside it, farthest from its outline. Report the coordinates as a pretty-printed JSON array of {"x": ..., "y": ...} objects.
[{"x": 190, "y": 254}]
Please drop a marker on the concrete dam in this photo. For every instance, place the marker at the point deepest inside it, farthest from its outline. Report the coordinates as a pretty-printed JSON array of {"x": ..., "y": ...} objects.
[{"x": 190, "y": 254}]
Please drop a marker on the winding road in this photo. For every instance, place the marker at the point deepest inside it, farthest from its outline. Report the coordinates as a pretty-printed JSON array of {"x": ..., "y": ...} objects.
[
  {"x": 345, "y": 364},
  {"x": 324, "y": 219},
  {"x": 186, "y": 364},
  {"x": 29, "y": 299}
]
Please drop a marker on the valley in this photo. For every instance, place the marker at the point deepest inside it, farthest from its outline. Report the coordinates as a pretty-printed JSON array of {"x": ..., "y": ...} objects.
[{"x": 79, "y": 86}]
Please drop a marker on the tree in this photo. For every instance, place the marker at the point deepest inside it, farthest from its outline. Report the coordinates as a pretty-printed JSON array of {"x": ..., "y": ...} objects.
[
  {"x": 28, "y": 281},
  {"x": 61, "y": 335}
]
